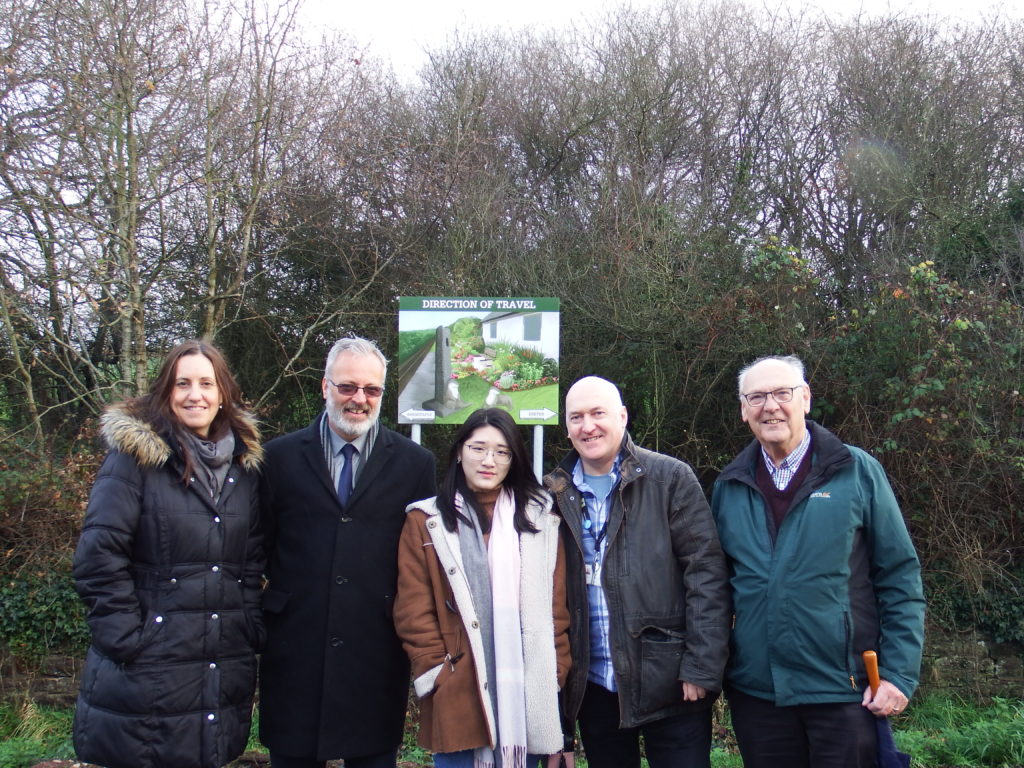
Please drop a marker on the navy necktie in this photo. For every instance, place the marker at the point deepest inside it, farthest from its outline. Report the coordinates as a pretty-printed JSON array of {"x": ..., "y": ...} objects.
[{"x": 345, "y": 476}]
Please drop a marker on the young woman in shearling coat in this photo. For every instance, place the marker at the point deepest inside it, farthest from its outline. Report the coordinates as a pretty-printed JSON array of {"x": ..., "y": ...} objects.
[
  {"x": 169, "y": 565},
  {"x": 481, "y": 604}
]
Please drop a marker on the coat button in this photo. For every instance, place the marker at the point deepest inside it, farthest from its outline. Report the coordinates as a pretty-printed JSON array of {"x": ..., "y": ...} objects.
[
  {"x": 475, "y": 625},
  {"x": 336, "y": 641},
  {"x": 452, "y": 570},
  {"x": 212, "y": 665},
  {"x": 432, "y": 524},
  {"x": 174, "y": 581},
  {"x": 215, "y": 568},
  {"x": 216, "y": 519},
  {"x": 340, "y": 580},
  {"x": 158, "y": 619},
  {"x": 231, "y": 479},
  {"x": 214, "y": 616},
  {"x": 346, "y": 519},
  {"x": 211, "y": 717}
]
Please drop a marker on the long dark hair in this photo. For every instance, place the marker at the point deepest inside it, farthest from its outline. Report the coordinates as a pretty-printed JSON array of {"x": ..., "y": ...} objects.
[
  {"x": 154, "y": 407},
  {"x": 520, "y": 480}
]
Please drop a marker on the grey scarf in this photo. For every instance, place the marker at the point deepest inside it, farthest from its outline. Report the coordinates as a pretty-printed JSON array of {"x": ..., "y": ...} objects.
[
  {"x": 334, "y": 467},
  {"x": 474, "y": 561},
  {"x": 211, "y": 460}
]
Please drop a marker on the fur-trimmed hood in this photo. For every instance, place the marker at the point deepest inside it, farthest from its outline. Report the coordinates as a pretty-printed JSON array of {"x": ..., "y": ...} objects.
[{"x": 126, "y": 433}]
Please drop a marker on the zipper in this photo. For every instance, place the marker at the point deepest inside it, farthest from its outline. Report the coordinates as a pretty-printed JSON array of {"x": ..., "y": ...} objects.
[{"x": 846, "y": 630}]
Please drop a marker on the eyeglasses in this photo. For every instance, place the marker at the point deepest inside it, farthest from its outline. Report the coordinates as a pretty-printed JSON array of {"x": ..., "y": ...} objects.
[
  {"x": 780, "y": 395},
  {"x": 501, "y": 455},
  {"x": 348, "y": 390}
]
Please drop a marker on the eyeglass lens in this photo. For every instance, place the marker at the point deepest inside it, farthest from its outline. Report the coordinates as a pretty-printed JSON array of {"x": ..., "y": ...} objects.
[{"x": 350, "y": 389}]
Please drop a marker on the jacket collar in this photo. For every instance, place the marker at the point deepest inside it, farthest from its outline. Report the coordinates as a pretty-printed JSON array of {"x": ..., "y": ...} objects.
[
  {"x": 828, "y": 454},
  {"x": 380, "y": 455},
  {"x": 123, "y": 432},
  {"x": 631, "y": 467}
]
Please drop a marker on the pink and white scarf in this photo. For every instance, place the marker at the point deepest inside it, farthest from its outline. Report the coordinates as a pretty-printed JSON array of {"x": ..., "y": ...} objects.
[{"x": 503, "y": 561}]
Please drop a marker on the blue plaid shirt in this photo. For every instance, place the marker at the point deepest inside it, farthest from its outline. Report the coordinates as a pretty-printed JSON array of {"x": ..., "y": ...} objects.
[
  {"x": 599, "y": 510},
  {"x": 782, "y": 474}
]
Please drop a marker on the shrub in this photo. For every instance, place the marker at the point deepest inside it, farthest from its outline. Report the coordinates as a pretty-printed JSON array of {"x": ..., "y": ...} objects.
[
  {"x": 40, "y": 613},
  {"x": 991, "y": 600},
  {"x": 41, "y": 506},
  {"x": 926, "y": 374}
]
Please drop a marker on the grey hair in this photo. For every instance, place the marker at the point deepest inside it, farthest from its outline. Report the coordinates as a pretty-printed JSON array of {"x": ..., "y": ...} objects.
[
  {"x": 792, "y": 361},
  {"x": 354, "y": 345}
]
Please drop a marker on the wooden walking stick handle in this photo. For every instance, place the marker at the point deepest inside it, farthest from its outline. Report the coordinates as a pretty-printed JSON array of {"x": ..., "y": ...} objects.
[{"x": 871, "y": 665}]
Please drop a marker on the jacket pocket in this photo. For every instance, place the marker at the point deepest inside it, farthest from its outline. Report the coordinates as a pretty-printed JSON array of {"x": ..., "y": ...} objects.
[
  {"x": 274, "y": 600},
  {"x": 848, "y": 647},
  {"x": 661, "y": 655},
  {"x": 148, "y": 633},
  {"x": 432, "y": 680}
]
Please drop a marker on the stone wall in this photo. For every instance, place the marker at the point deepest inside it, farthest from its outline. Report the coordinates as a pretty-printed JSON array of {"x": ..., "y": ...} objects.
[
  {"x": 54, "y": 683},
  {"x": 965, "y": 663}
]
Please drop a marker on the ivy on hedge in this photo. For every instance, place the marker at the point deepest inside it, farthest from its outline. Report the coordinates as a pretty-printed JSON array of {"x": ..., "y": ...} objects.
[{"x": 40, "y": 614}]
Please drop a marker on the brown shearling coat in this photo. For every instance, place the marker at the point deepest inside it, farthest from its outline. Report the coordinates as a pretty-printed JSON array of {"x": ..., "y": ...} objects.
[{"x": 427, "y": 618}]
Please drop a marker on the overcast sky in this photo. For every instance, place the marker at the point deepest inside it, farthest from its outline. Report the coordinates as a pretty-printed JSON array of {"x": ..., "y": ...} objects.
[{"x": 399, "y": 31}]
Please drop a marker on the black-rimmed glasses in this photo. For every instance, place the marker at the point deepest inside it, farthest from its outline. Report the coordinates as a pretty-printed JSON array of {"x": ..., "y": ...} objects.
[{"x": 780, "y": 395}]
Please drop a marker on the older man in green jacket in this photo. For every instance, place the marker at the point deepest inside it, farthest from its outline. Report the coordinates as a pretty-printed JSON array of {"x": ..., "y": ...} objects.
[{"x": 822, "y": 568}]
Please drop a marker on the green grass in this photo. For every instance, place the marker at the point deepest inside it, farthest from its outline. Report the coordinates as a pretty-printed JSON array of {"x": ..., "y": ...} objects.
[
  {"x": 253, "y": 744},
  {"x": 937, "y": 731},
  {"x": 949, "y": 731},
  {"x": 722, "y": 758},
  {"x": 473, "y": 390},
  {"x": 30, "y": 733}
]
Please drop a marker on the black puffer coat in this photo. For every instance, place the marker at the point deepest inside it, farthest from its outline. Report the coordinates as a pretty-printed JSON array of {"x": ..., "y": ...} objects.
[{"x": 172, "y": 583}]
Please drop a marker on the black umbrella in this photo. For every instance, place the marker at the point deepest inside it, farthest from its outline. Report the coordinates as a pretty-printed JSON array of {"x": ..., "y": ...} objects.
[{"x": 888, "y": 756}]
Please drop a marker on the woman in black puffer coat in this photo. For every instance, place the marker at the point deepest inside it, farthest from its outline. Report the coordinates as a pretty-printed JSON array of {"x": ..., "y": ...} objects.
[{"x": 169, "y": 564}]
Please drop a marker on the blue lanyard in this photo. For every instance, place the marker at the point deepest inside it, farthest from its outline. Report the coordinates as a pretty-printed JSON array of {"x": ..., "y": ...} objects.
[{"x": 588, "y": 524}]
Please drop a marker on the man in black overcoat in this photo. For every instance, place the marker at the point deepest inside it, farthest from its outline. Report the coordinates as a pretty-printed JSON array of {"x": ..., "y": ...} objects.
[{"x": 334, "y": 679}]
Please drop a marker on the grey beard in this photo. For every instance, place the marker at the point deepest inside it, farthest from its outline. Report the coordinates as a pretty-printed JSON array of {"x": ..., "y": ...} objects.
[{"x": 350, "y": 428}]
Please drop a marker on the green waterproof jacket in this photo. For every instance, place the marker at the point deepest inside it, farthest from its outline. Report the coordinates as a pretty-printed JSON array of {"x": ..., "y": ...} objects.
[{"x": 839, "y": 577}]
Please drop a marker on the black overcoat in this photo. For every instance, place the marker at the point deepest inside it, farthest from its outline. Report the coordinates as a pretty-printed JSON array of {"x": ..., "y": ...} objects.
[
  {"x": 172, "y": 583},
  {"x": 334, "y": 679}
]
